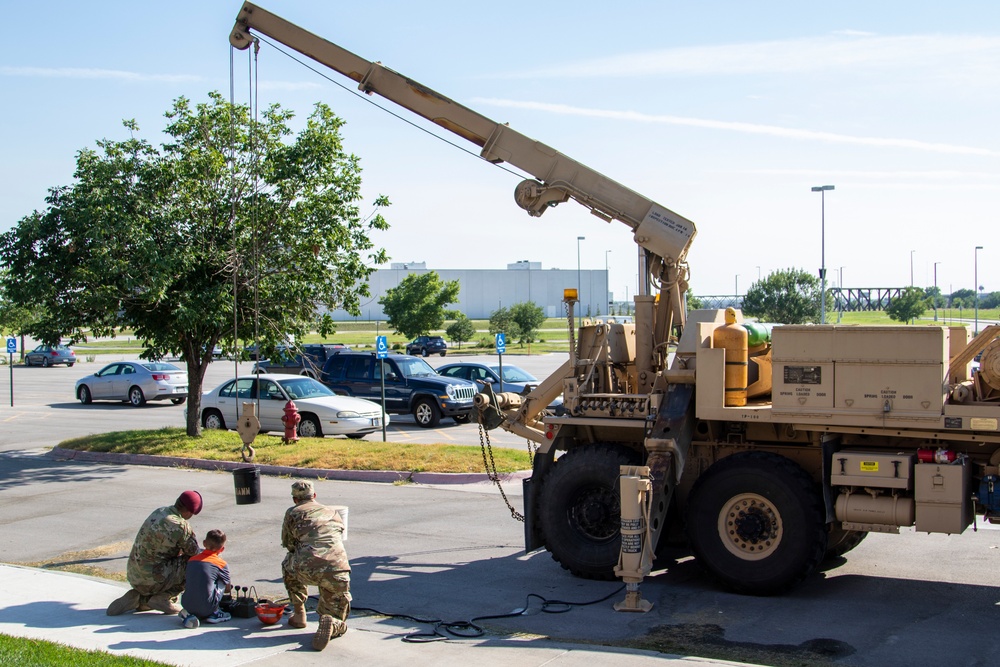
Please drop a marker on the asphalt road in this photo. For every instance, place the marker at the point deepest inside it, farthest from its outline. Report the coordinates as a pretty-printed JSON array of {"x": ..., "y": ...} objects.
[{"x": 454, "y": 552}]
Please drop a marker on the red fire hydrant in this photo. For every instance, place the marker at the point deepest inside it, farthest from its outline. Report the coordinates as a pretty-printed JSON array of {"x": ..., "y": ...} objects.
[{"x": 291, "y": 421}]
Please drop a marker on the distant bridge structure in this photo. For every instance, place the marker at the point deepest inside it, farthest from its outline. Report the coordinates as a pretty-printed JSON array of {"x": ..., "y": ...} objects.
[{"x": 846, "y": 299}]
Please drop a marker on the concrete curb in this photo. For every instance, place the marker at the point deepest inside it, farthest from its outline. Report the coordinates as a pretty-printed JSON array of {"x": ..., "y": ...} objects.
[{"x": 383, "y": 476}]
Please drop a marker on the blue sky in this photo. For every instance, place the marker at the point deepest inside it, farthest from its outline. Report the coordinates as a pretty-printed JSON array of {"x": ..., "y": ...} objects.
[{"x": 726, "y": 112}]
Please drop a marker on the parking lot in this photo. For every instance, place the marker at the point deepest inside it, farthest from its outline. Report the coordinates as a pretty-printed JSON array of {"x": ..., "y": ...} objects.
[{"x": 45, "y": 410}]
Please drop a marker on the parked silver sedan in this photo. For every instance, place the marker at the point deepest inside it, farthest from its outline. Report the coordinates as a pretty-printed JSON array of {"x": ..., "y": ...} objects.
[
  {"x": 135, "y": 382},
  {"x": 322, "y": 412},
  {"x": 50, "y": 355}
]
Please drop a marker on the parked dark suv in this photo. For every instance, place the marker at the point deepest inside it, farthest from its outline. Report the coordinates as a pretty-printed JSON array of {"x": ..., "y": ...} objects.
[
  {"x": 411, "y": 386},
  {"x": 427, "y": 345},
  {"x": 309, "y": 361}
]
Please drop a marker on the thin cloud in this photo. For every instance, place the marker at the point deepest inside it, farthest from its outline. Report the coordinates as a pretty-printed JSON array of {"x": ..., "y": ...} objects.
[
  {"x": 289, "y": 86},
  {"x": 927, "y": 175},
  {"x": 746, "y": 128},
  {"x": 94, "y": 73},
  {"x": 829, "y": 52}
]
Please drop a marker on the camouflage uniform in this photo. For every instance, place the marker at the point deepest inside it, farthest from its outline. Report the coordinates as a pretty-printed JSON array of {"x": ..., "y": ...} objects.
[
  {"x": 313, "y": 535},
  {"x": 160, "y": 554}
]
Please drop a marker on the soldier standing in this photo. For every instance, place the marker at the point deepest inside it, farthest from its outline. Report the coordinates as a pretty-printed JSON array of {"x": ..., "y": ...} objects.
[
  {"x": 156, "y": 566},
  {"x": 313, "y": 535}
]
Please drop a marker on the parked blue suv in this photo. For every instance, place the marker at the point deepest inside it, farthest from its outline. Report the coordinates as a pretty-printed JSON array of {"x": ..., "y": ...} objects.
[{"x": 411, "y": 386}]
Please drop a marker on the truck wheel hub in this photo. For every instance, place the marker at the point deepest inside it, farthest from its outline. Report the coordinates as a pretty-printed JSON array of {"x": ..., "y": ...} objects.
[
  {"x": 596, "y": 514},
  {"x": 750, "y": 527}
]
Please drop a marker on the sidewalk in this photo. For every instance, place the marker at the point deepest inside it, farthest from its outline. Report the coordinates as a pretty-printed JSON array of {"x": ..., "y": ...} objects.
[{"x": 70, "y": 609}]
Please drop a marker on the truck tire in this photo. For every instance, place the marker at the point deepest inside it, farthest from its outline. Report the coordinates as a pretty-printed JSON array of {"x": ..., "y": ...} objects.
[
  {"x": 756, "y": 523},
  {"x": 840, "y": 541},
  {"x": 579, "y": 509},
  {"x": 425, "y": 413}
]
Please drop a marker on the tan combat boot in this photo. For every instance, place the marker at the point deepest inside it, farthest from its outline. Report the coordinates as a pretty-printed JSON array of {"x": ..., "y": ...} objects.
[
  {"x": 298, "y": 617},
  {"x": 323, "y": 633},
  {"x": 127, "y": 602},
  {"x": 162, "y": 602}
]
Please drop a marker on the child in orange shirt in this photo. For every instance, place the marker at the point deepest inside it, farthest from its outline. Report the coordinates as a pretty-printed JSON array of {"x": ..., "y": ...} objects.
[{"x": 207, "y": 580}]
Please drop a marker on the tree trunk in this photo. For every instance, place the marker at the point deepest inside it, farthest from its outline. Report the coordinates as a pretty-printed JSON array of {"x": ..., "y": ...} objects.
[{"x": 197, "y": 358}]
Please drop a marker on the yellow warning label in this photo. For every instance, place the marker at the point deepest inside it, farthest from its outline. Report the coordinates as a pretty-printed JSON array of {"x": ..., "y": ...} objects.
[
  {"x": 983, "y": 424},
  {"x": 869, "y": 466}
]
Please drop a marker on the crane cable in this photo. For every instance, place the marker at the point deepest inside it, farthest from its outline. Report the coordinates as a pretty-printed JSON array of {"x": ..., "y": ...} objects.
[{"x": 379, "y": 106}]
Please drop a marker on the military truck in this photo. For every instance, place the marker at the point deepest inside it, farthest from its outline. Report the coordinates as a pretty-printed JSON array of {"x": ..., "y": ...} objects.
[{"x": 766, "y": 451}]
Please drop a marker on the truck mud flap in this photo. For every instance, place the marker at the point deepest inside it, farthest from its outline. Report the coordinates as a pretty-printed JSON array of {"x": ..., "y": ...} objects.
[{"x": 532, "y": 536}]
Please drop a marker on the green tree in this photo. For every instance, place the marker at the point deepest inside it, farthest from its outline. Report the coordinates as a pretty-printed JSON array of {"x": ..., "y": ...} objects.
[
  {"x": 416, "y": 306},
  {"x": 787, "y": 296},
  {"x": 966, "y": 295},
  {"x": 502, "y": 321},
  {"x": 912, "y": 303},
  {"x": 231, "y": 230},
  {"x": 461, "y": 330},
  {"x": 529, "y": 317}
]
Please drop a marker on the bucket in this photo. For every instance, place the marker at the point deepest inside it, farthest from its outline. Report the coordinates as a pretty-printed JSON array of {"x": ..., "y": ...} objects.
[
  {"x": 342, "y": 509},
  {"x": 247, "y": 482}
]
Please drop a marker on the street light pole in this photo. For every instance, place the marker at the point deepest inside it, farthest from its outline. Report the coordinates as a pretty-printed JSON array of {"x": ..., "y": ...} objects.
[
  {"x": 911, "y": 267},
  {"x": 976, "y": 288},
  {"x": 736, "y": 305},
  {"x": 579, "y": 284},
  {"x": 758, "y": 274},
  {"x": 936, "y": 296},
  {"x": 821, "y": 189}
]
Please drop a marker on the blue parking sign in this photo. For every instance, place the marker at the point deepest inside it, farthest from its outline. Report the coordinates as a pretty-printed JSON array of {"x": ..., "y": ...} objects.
[
  {"x": 11, "y": 345},
  {"x": 381, "y": 347},
  {"x": 501, "y": 343}
]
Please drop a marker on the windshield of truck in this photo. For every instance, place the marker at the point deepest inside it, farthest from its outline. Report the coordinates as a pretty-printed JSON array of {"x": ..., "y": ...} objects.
[{"x": 411, "y": 368}]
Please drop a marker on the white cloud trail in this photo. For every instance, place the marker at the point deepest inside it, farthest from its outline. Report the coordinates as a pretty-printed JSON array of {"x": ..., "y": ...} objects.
[{"x": 732, "y": 126}]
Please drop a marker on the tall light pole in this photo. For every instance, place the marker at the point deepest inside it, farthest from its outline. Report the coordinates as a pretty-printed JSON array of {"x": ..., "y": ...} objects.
[
  {"x": 976, "y": 288},
  {"x": 579, "y": 284},
  {"x": 758, "y": 274},
  {"x": 821, "y": 189},
  {"x": 911, "y": 267},
  {"x": 936, "y": 296},
  {"x": 840, "y": 295},
  {"x": 736, "y": 305}
]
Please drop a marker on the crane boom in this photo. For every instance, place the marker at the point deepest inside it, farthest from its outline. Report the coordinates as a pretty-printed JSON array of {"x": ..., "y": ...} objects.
[{"x": 557, "y": 177}]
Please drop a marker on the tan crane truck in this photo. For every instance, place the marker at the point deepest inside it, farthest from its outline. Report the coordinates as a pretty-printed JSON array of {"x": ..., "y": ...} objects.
[{"x": 765, "y": 453}]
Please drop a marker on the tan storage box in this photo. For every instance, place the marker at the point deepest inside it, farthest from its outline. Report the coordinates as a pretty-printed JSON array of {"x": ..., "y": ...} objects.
[
  {"x": 801, "y": 385},
  {"x": 876, "y": 470},
  {"x": 876, "y": 370},
  {"x": 942, "y": 495}
]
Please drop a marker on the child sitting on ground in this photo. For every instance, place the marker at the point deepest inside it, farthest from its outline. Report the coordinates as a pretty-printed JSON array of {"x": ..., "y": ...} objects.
[{"x": 207, "y": 580}]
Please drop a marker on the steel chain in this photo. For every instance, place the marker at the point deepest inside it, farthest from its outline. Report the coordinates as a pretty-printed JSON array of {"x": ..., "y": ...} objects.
[{"x": 491, "y": 469}]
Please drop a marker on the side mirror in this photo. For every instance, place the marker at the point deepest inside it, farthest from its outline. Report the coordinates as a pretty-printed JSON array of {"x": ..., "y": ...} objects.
[{"x": 391, "y": 376}]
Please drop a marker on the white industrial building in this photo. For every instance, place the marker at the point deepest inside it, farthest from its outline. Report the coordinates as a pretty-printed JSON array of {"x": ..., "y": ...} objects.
[{"x": 483, "y": 291}]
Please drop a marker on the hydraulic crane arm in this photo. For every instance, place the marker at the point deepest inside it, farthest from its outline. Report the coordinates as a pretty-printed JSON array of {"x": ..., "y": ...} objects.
[{"x": 659, "y": 230}]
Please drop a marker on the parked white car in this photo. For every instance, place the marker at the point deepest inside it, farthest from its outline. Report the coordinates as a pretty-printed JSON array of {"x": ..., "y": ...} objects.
[
  {"x": 135, "y": 382},
  {"x": 322, "y": 412}
]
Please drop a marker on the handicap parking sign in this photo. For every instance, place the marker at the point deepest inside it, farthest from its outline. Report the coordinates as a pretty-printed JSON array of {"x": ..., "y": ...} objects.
[
  {"x": 381, "y": 347},
  {"x": 11, "y": 345},
  {"x": 501, "y": 344}
]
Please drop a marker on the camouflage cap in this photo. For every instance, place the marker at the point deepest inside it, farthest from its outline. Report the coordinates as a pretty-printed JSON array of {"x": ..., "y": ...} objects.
[{"x": 302, "y": 490}]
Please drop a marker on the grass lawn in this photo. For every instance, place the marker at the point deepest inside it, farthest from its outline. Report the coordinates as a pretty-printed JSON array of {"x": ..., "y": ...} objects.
[
  {"x": 35, "y": 653},
  {"x": 327, "y": 453}
]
